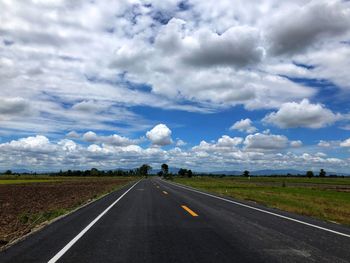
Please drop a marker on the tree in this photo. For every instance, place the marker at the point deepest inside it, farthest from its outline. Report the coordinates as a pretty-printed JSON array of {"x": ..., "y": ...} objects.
[
  {"x": 8, "y": 172},
  {"x": 182, "y": 172},
  {"x": 94, "y": 172},
  {"x": 144, "y": 169},
  {"x": 309, "y": 174},
  {"x": 246, "y": 173},
  {"x": 322, "y": 173},
  {"x": 189, "y": 173},
  {"x": 165, "y": 169}
]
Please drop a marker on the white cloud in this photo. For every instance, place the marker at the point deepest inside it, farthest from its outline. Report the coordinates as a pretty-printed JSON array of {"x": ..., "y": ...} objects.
[
  {"x": 68, "y": 145},
  {"x": 303, "y": 114},
  {"x": 180, "y": 143},
  {"x": 90, "y": 136},
  {"x": 89, "y": 106},
  {"x": 301, "y": 27},
  {"x": 220, "y": 50},
  {"x": 223, "y": 145},
  {"x": 12, "y": 107},
  {"x": 265, "y": 142},
  {"x": 73, "y": 135},
  {"x": 34, "y": 144},
  {"x": 346, "y": 127},
  {"x": 345, "y": 143},
  {"x": 296, "y": 144},
  {"x": 160, "y": 135},
  {"x": 244, "y": 125},
  {"x": 238, "y": 47},
  {"x": 114, "y": 140},
  {"x": 227, "y": 141},
  {"x": 323, "y": 143},
  {"x": 259, "y": 151}
]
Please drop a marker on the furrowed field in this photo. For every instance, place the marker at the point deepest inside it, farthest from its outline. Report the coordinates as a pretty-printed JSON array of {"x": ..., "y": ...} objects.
[
  {"x": 324, "y": 198},
  {"x": 27, "y": 202}
]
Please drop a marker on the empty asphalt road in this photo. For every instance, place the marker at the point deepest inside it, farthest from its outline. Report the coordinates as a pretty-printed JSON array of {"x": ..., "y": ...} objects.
[{"x": 157, "y": 221}]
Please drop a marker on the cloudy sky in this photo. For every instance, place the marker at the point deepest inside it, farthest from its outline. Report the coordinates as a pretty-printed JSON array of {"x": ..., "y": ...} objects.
[{"x": 206, "y": 85}]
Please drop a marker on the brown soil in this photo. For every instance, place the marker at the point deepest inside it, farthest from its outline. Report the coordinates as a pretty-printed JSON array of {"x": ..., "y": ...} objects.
[{"x": 24, "y": 206}]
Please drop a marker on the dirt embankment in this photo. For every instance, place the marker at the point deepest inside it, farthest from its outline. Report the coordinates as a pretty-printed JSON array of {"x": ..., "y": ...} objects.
[{"x": 25, "y": 206}]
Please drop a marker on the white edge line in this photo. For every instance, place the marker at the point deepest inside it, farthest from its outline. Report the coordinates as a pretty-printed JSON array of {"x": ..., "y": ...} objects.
[
  {"x": 77, "y": 237},
  {"x": 261, "y": 210}
]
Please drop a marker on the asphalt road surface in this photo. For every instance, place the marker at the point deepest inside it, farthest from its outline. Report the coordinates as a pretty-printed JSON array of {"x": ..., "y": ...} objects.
[{"x": 157, "y": 221}]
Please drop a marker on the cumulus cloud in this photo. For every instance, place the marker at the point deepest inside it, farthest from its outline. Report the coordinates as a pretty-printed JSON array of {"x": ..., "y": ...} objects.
[
  {"x": 323, "y": 143},
  {"x": 238, "y": 47},
  {"x": 296, "y": 144},
  {"x": 299, "y": 28},
  {"x": 265, "y": 142},
  {"x": 224, "y": 144},
  {"x": 227, "y": 141},
  {"x": 220, "y": 50},
  {"x": 213, "y": 65},
  {"x": 36, "y": 144},
  {"x": 90, "y": 136},
  {"x": 89, "y": 106},
  {"x": 160, "y": 135},
  {"x": 303, "y": 114},
  {"x": 17, "y": 106},
  {"x": 115, "y": 139},
  {"x": 345, "y": 143},
  {"x": 180, "y": 143},
  {"x": 244, "y": 125},
  {"x": 258, "y": 151},
  {"x": 73, "y": 135}
]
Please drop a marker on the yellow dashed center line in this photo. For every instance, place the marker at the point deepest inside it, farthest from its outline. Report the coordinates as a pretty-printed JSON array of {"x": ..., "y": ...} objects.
[
  {"x": 189, "y": 210},
  {"x": 165, "y": 192}
]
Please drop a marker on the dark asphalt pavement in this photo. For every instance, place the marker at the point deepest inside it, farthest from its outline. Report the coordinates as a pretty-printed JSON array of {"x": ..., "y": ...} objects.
[{"x": 157, "y": 221}]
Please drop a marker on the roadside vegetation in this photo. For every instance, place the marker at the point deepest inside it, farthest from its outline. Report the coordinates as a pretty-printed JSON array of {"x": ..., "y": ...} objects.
[
  {"x": 323, "y": 198},
  {"x": 319, "y": 196}
]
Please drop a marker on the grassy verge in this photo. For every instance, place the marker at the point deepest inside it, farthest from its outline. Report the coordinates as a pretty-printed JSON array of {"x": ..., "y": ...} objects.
[{"x": 327, "y": 199}]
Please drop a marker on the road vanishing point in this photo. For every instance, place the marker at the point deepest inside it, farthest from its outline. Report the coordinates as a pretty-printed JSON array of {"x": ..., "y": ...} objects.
[{"x": 154, "y": 220}]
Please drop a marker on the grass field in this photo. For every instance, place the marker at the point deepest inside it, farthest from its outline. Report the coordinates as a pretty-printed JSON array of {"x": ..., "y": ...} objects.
[
  {"x": 27, "y": 181},
  {"x": 324, "y": 198},
  {"x": 30, "y": 201}
]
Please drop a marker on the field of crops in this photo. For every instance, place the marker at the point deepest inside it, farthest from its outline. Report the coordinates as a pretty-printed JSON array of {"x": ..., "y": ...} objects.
[{"x": 28, "y": 202}]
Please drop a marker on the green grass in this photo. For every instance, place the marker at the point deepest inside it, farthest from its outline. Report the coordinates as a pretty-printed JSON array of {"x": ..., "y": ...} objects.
[
  {"x": 30, "y": 219},
  {"x": 26, "y": 181},
  {"x": 299, "y": 180},
  {"x": 316, "y": 197}
]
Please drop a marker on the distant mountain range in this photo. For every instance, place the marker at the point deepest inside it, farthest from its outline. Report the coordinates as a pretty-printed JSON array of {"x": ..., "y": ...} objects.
[
  {"x": 256, "y": 172},
  {"x": 273, "y": 172},
  {"x": 262, "y": 172}
]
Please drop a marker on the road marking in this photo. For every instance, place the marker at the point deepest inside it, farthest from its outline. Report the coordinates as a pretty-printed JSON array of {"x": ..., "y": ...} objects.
[
  {"x": 165, "y": 192},
  {"x": 76, "y": 238},
  {"x": 189, "y": 210},
  {"x": 263, "y": 211}
]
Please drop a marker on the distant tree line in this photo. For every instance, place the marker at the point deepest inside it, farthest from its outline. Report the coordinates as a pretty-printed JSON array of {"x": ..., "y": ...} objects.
[{"x": 145, "y": 170}]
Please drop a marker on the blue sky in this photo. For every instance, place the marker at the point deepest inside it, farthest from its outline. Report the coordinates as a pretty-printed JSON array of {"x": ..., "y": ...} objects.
[{"x": 197, "y": 84}]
